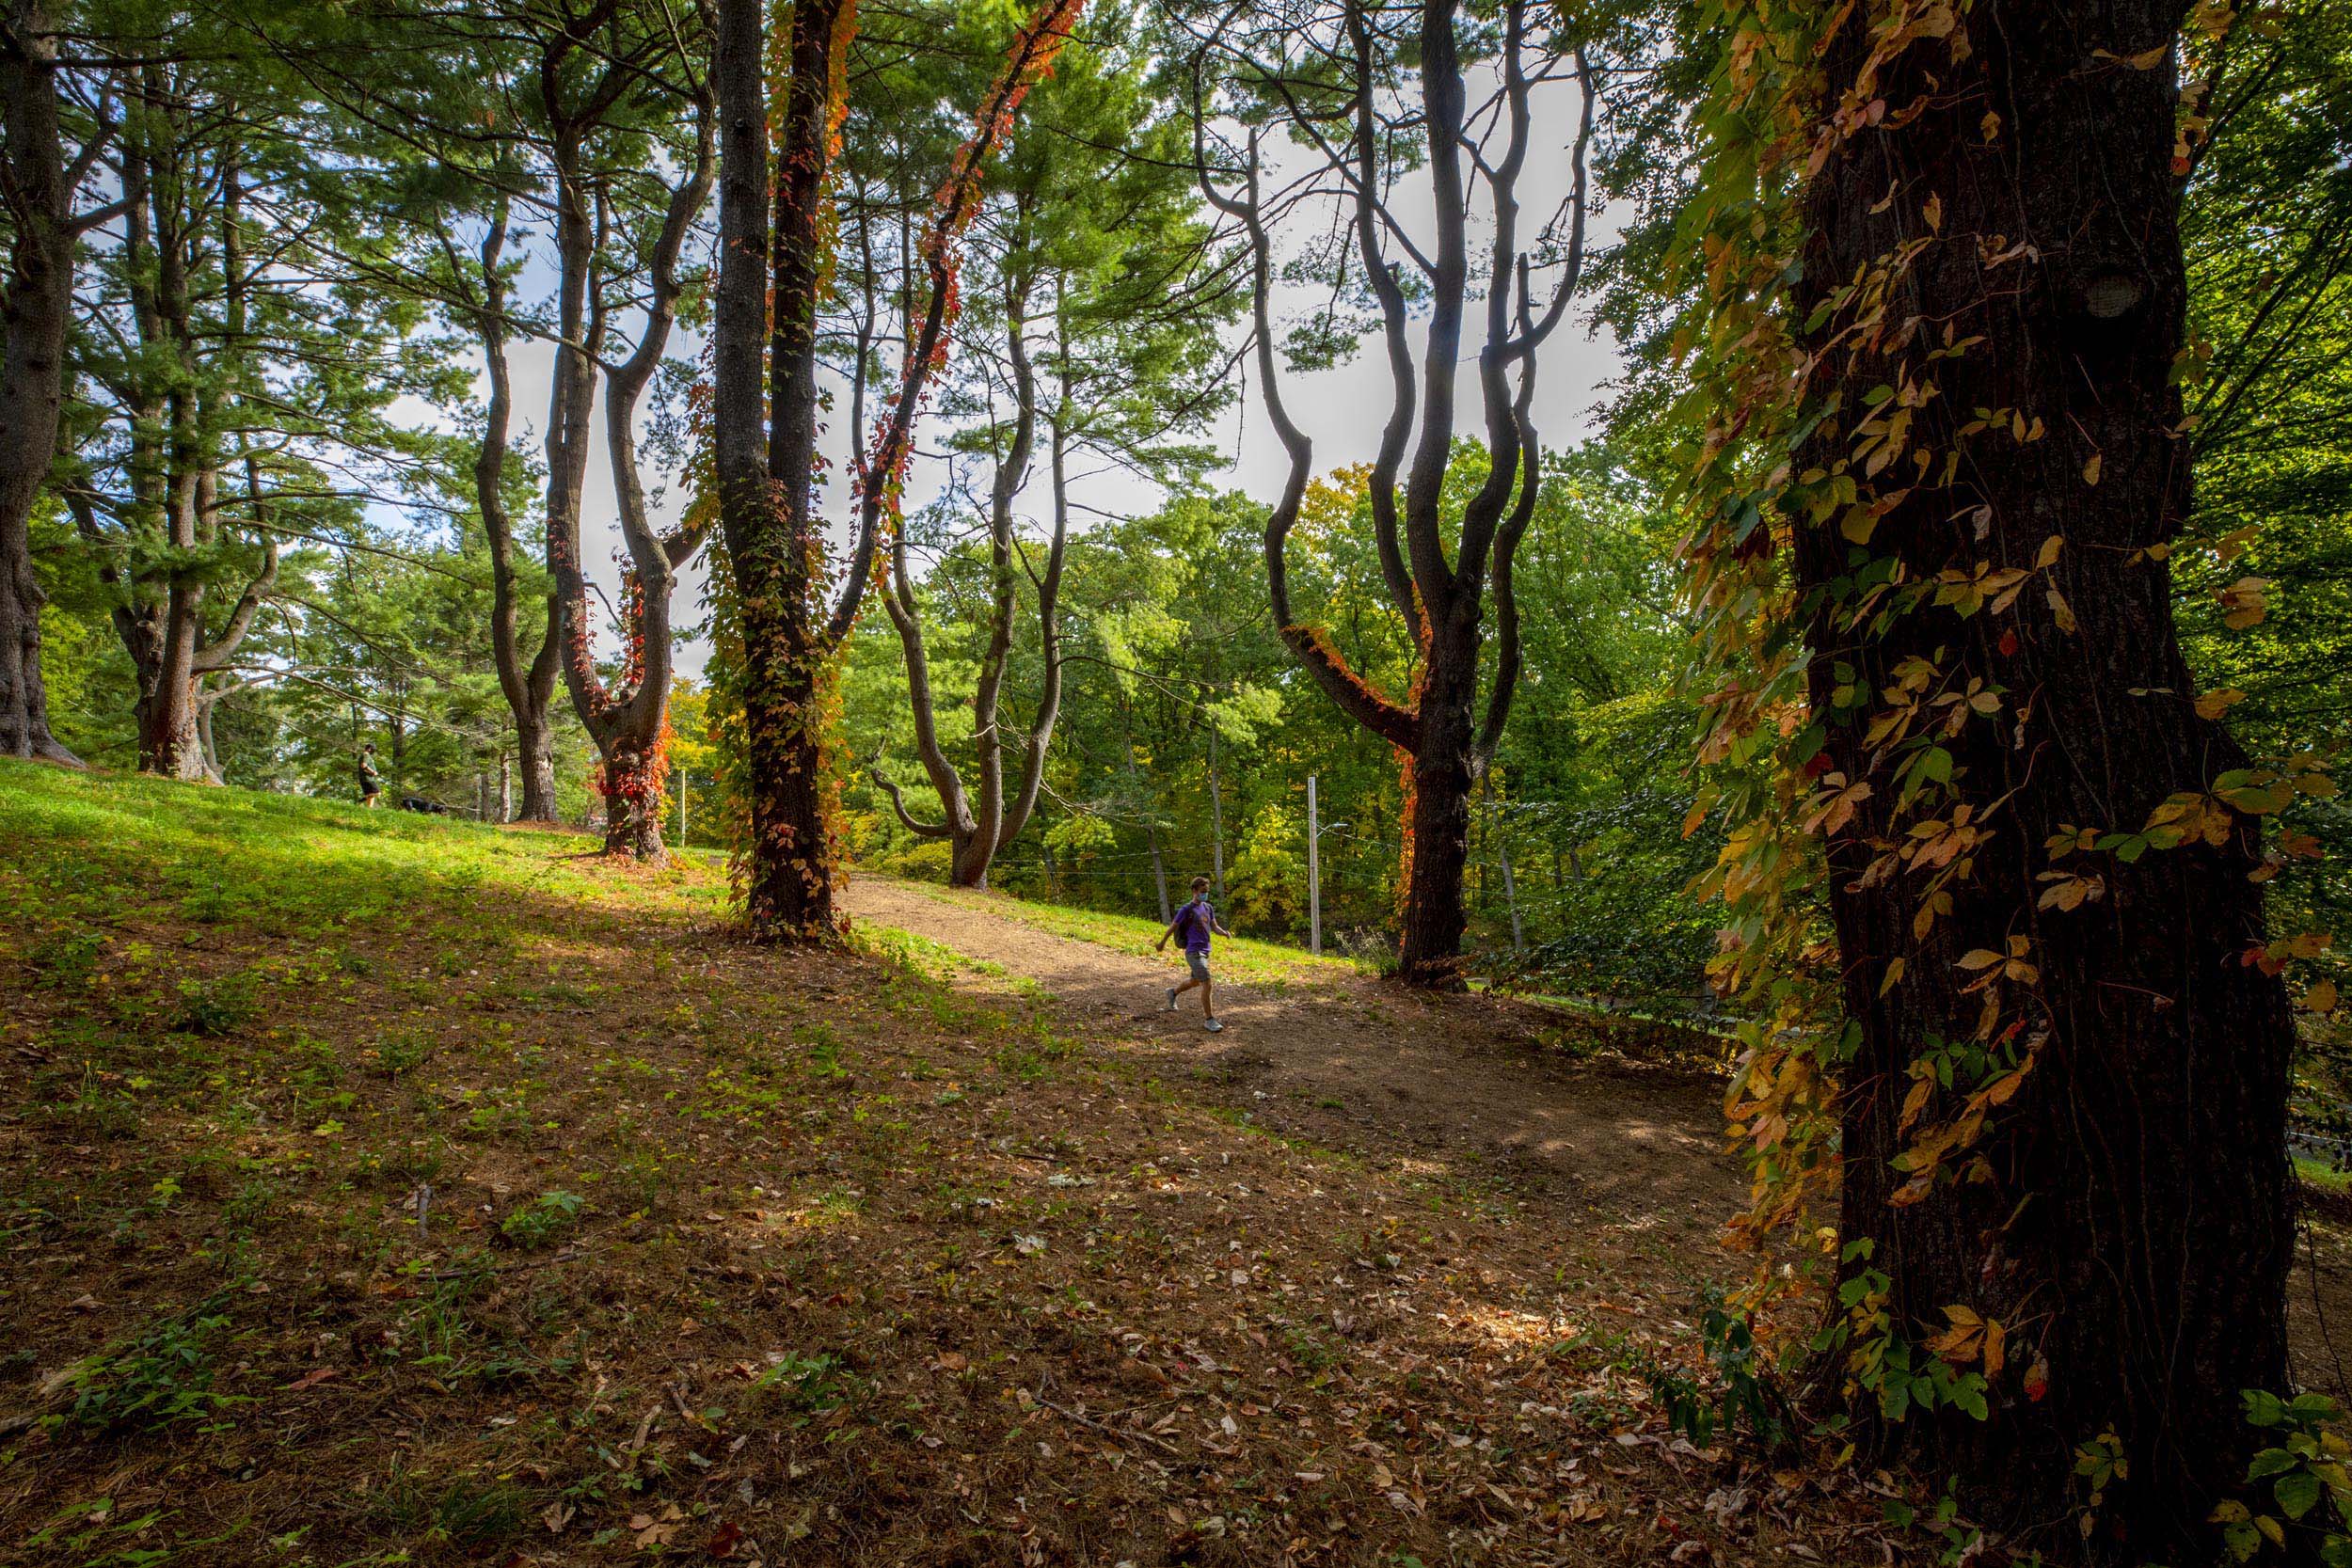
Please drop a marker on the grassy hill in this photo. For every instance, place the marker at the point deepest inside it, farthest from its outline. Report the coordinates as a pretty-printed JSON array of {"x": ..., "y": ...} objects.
[{"x": 380, "y": 1189}]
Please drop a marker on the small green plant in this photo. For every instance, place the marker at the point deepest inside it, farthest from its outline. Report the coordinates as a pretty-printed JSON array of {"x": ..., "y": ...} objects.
[
  {"x": 67, "y": 960},
  {"x": 1310, "y": 1350},
  {"x": 403, "y": 1052},
  {"x": 543, "y": 1220},
  {"x": 161, "y": 1377},
  {"x": 810, "y": 1384},
  {"x": 210, "y": 1009},
  {"x": 1747, "y": 1398},
  {"x": 1961, "y": 1541},
  {"x": 2302, "y": 1468}
]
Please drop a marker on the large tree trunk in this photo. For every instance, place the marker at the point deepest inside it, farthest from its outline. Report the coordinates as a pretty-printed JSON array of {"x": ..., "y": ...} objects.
[
  {"x": 1442, "y": 774},
  {"x": 35, "y": 311},
  {"x": 979, "y": 822},
  {"x": 630, "y": 720},
  {"x": 534, "y": 743},
  {"x": 175, "y": 463},
  {"x": 2130, "y": 1225},
  {"x": 772, "y": 531}
]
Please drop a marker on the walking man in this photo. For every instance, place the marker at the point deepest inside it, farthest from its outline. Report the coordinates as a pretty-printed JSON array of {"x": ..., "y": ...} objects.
[
  {"x": 1194, "y": 923},
  {"x": 371, "y": 782}
]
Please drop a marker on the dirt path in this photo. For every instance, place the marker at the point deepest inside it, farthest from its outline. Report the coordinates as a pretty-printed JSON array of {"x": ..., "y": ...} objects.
[{"x": 1481, "y": 1084}]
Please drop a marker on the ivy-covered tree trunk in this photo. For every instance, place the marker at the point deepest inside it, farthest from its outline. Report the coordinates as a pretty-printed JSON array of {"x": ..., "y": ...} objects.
[
  {"x": 2099, "y": 1167},
  {"x": 764, "y": 476},
  {"x": 765, "y": 469}
]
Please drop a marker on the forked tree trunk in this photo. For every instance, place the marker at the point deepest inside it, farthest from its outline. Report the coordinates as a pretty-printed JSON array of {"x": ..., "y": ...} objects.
[
  {"x": 767, "y": 509},
  {"x": 977, "y": 822},
  {"x": 1439, "y": 589},
  {"x": 175, "y": 467},
  {"x": 628, "y": 717},
  {"x": 2134, "y": 1231}
]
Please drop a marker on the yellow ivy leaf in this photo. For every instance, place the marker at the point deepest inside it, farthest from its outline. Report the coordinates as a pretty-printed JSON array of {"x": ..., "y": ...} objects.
[
  {"x": 1981, "y": 957},
  {"x": 2090, "y": 470},
  {"x": 2243, "y": 603},
  {"x": 2060, "y": 611},
  {"x": 2049, "y": 551},
  {"x": 2213, "y": 704},
  {"x": 2321, "y": 998},
  {"x": 1894, "y": 973}
]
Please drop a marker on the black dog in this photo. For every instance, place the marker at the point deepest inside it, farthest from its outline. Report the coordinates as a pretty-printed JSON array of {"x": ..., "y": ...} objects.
[{"x": 419, "y": 803}]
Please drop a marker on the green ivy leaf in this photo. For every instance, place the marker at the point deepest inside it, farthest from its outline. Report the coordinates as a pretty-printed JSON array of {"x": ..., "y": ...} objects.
[
  {"x": 2270, "y": 1462},
  {"x": 2298, "y": 1493}
]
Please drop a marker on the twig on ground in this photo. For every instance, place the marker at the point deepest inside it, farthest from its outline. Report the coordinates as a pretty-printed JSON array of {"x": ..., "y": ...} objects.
[
  {"x": 1107, "y": 1431},
  {"x": 569, "y": 1255}
]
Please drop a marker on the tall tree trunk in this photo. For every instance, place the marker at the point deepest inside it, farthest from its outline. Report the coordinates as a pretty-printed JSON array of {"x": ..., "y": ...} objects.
[
  {"x": 629, "y": 721},
  {"x": 773, "y": 534},
  {"x": 1216, "y": 820},
  {"x": 35, "y": 312},
  {"x": 175, "y": 475},
  {"x": 527, "y": 685},
  {"x": 2130, "y": 1224}
]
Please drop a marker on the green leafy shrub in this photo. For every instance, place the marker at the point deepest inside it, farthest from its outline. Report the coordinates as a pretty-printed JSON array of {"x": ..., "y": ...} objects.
[
  {"x": 811, "y": 1384},
  {"x": 212, "y": 1008}
]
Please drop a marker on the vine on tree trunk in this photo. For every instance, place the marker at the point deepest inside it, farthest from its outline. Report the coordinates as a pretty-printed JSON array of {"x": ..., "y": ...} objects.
[
  {"x": 1903, "y": 659},
  {"x": 776, "y": 680}
]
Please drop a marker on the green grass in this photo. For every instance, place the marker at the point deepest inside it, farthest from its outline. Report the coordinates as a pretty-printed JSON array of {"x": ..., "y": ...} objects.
[
  {"x": 2320, "y": 1174},
  {"x": 1268, "y": 964},
  {"x": 291, "y": 867}
]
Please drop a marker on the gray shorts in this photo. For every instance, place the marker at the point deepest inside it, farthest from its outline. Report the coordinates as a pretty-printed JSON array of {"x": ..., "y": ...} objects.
[{"x": 1199, "y": 964}]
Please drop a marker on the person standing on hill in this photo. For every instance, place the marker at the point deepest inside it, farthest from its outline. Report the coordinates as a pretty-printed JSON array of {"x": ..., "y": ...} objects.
[
  {"x": 371, "y": 782},
  {"x": 1194, "y": 923}
]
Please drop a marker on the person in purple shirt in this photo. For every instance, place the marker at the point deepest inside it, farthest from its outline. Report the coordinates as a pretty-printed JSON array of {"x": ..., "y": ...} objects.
[{"x": 1194, "y": 923}]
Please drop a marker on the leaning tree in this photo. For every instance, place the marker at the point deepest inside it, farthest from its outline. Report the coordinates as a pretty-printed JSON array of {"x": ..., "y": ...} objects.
[
  {"x": 1377, "y": 104},
  {"x": 2041, "y": 1072},
  {"x": 776, "y": 233}
]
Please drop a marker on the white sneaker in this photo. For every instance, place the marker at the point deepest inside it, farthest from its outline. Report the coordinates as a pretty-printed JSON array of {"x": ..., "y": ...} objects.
[
  {"x": 1172, "y": 999},
  {"x": 1214, "y": 1027}
]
